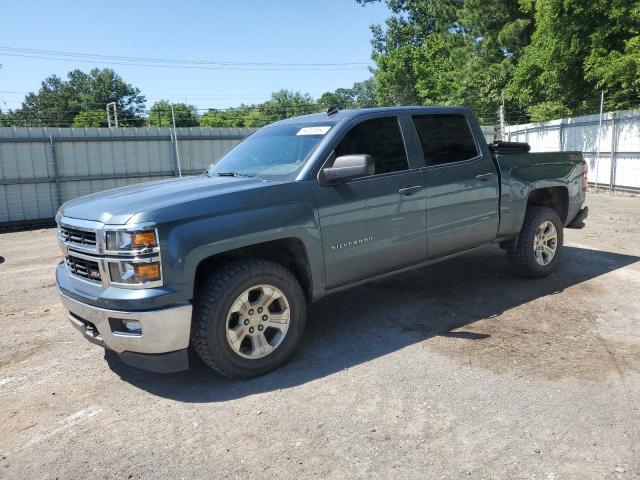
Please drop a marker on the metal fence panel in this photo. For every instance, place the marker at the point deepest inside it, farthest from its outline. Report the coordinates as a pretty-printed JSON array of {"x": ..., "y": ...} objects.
[
  {"x": 40, "y": 168},
  {"x": 612, "y": 151}
]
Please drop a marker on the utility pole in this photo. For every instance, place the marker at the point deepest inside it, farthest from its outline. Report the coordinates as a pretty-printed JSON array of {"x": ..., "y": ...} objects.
[
  {"x": 115, "y": 113},
  {"x": 175, "y": 139},
  {"x": 600, "y": 139},
  {"x": 501, "y": 114}
]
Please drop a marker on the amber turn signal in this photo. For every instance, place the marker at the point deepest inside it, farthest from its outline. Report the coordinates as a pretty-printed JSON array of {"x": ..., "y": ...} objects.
[
  {"x": 140, "y": 240},
  {"x": 145, "y": 272}
]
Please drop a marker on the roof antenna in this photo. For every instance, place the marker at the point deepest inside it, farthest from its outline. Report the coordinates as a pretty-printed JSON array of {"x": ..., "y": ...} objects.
[{"x": 332, "y": 109}]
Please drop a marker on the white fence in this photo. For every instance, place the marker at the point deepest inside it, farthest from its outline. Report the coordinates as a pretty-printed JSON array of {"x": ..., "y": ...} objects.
[{"x": 612, "y": 150}]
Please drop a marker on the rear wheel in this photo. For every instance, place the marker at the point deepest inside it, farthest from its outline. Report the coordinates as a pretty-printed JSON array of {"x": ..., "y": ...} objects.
[
  {"x": 248, "y": 319},
  {"x": 538, "y": 248}
]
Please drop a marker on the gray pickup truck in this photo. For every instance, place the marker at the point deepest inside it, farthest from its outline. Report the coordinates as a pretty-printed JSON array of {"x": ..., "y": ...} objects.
[{"x": 225, "y": 263}]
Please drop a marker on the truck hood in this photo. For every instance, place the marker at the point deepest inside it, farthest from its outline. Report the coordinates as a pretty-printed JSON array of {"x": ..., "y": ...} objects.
[{"x": 118, "y": 206}]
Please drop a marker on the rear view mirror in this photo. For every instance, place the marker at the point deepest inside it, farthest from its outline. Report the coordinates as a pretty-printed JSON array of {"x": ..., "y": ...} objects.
[{"x": 348, "y": 167}]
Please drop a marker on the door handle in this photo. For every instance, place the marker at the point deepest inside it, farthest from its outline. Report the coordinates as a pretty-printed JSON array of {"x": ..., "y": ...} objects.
[
  {"x": 485, "y": 176},
  {"x": 410, "y": 190}
]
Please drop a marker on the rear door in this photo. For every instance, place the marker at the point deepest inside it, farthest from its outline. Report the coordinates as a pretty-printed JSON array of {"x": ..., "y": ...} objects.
[
  {"x": 462, "y": 184},
  {"x": 374, "y": 224}
]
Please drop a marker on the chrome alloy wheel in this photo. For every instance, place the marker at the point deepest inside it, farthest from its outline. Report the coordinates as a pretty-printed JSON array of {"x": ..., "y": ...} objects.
[
  {"x": 258, "y": 321},
  {"x": 545, "y": 243}
]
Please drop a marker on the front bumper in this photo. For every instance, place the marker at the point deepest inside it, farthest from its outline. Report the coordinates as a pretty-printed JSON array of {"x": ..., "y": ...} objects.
[{"x": 165, "y": 331}]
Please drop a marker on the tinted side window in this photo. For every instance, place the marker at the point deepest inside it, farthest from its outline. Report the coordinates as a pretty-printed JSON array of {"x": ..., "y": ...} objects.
[
  {"x": 380, "y": 138},
  {"x": 445, "y": 138}
]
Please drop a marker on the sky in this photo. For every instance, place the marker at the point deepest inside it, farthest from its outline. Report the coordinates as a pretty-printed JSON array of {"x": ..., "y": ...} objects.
[{"x": 241, "y": 31}]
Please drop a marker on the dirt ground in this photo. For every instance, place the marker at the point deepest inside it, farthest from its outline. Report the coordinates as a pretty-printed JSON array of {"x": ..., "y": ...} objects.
[{"x": 459, "y": 370}]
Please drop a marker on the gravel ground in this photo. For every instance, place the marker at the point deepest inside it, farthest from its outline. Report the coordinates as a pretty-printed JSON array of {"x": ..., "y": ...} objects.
[{"x": 459, "y": 370}]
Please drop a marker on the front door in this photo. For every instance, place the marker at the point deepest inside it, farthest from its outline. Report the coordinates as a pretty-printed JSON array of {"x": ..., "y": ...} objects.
[{"x": 375, "y": 224}]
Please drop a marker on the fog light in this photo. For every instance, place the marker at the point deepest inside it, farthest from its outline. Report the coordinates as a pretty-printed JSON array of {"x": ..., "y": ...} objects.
[
  {"x": 127, "y": 327},
  {"x": 132, "y": 326}
]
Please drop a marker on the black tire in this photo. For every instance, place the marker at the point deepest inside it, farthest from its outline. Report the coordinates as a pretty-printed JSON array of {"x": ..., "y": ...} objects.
[
  {"x": 213, "y": 302},
  {"x": 522, "y": 254}
]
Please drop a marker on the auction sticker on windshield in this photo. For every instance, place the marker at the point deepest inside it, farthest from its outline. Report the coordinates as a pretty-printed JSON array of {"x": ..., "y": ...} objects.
[{"x": 313, "y": 130}]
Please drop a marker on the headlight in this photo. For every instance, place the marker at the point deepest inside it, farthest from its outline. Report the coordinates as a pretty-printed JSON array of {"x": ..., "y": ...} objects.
[
  {"x": 135, "y": 267},
  {"x": 122, "y": 241},
  {"x": 134, "y": 273}
]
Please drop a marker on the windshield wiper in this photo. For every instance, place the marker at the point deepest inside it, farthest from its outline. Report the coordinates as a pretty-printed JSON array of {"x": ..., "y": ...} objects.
[{"x": 233, "y": 174}]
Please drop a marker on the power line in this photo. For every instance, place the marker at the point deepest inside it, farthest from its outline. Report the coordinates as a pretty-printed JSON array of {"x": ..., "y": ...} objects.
[
  {"x": 185, "y": 65},
  {"x": 167, "y": 107},
  {"x": 180, "y": 95},
  {"x": 157, "y": 59},
  {"x": 190, "y": 97}
]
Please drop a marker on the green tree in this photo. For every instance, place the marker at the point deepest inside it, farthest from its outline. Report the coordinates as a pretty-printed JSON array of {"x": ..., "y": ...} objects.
[
  {"x": 618, "y": 72},
  {"x": 361, "y": 95},
  {"x": 213, "y": 118},
  {"x": 364, "y": 94},
  {"x": 91, "y": 118},
  {"x": 160, "y": 114},
  {"x": 341, "y": 97},
  {"x": 7, "y": 119},
  {"x": 499, "y": 29},
  {"x": 543, "y": 111},
  {"x": 576, "y": 49},
  {"x": 399, "y": 46},
  {"x": 282, "y": 104},
  {"x": 549, "y": 57},
  {"x": 448, "y": 52},
  {"x": 59, "y": 101},
  {"x": 232, "y": 117},
  {"x": 254, "y": 119},
  {"x": 245, "y": 116},
  {"x": 285, "y": 103}
]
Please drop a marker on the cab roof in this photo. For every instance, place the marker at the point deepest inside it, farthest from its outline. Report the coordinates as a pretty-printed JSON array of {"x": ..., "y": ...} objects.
[{"x": 346, "y": 115}]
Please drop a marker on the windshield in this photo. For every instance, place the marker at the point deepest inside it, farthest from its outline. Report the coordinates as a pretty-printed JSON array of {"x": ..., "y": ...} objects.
[{"x": 272, "y": 152}]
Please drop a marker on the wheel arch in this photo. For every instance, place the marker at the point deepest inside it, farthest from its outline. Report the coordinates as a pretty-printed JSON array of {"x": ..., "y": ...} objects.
[
  {"x": 556, "y": 198},
  {"x": 289, "y": 252}
]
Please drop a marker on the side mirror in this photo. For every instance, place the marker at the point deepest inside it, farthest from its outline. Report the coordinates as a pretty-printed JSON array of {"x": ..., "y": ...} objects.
[{"x": 347, "y": 167}]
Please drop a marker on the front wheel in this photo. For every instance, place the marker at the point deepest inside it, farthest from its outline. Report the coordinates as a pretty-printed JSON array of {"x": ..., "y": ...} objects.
[
  {"x": 538, "y": 248},
  {"x": 248, "y": 318}
]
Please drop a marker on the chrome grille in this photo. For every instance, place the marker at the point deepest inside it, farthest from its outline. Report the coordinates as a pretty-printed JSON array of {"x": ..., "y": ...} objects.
[
  {"x": 83, "y": 268},
  {"x": 79, "y": 237}
]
